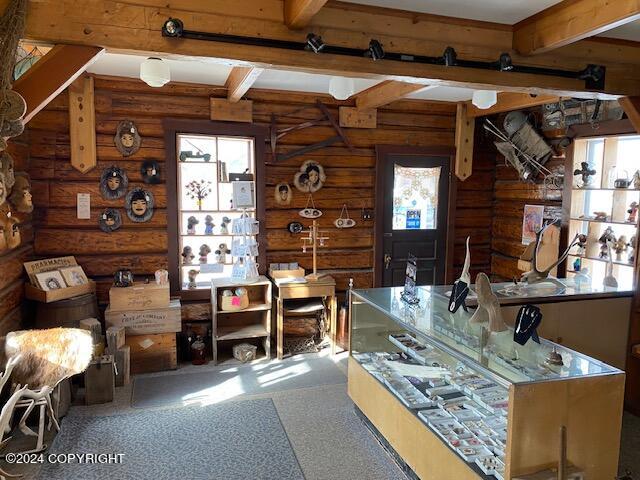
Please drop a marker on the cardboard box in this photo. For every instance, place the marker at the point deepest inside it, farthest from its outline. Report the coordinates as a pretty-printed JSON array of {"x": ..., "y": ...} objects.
[
  {"x": 139, "y": 297},
  {"x": 144, "y": 322},
  {"x": 152, "y": 353}
]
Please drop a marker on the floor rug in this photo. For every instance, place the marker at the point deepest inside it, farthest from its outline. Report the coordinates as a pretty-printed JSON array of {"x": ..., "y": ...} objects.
[
  {"x": 231, "y": 441},
  {"x": 217, "y": 385}
]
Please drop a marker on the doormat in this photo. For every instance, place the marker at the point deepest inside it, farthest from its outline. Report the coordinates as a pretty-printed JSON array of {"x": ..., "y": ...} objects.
[
  {"x": 222, "y": 384},
  {"x": 235, "y": 440}
]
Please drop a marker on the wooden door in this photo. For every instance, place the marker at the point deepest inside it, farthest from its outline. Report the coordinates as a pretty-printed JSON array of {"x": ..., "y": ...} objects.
[{"x": 412, "y": 214}]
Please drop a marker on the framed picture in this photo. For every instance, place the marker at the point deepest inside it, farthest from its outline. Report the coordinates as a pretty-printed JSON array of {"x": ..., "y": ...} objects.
[
  {"x": 532, "y": 220},
  {"x": 243, "y": 194},
  {"x": 50, "y": 280},
  {"x": 74, "y": 276}
]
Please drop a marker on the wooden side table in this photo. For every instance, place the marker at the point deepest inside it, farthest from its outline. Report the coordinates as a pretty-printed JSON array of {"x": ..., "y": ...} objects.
[{"x": 324, "y": 287}]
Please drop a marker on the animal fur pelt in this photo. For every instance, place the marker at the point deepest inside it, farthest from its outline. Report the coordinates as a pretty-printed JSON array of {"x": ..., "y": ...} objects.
[{"x": 48, "y": 356}]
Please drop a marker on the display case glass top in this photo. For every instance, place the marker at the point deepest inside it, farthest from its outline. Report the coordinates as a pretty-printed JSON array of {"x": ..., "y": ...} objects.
[{"x": 378, "y": 314}]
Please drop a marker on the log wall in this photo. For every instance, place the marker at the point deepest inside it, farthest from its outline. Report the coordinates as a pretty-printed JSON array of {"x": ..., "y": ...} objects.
[
  {"x": 350, "y": 179},
  {"x": 13, "y": 314}
]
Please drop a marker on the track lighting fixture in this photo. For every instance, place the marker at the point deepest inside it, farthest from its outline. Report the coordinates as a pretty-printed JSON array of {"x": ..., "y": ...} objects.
[
  {"x": 172, "y": 28},
  {"x": 314, "y": 43},
  {"x": 375, "y": 51},
  {"x": 593, "y": 75},
  {"x": 449, "y": 56},
  {"x": 505, "y": 62}
]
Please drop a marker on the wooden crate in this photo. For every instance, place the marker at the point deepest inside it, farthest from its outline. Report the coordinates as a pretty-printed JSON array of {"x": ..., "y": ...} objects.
[
  {"x": 152, "y": 353},
  {"x": 34, "y": 293},
  {"x": 144, "y": 296},
  {"x": 100, "y": 381},
  {"x": 146, "y": 322}
]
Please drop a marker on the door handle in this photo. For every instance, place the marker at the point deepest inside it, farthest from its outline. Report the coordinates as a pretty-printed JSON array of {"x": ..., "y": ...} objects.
[{"x": 387, "y": 261}]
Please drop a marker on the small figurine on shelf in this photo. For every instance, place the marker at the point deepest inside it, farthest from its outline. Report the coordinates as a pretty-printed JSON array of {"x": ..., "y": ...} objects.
[
  {"x": 577, "y": 264},
  {"x": 204, "y": 251},
  {"x": 187, "y": 255},
  {"x": 600, "y": 216},
  {"x": 191, "y": 225},
  {"x": 633, "y": 212},
  {"x": 582, "y": 245},
  {"x": 224, "y": 227},
  {"x": 620, "y": 246},
  {"x": 192, "y": 274},
  {"x": 607, "y": 236},
  {"x": 208, "y": 225},
  {"x": 221, "y": 253},
  {"x": 636, "y": 180},
  {"x": 632, "y": 250},
  {"x": 586, "y": 173}
]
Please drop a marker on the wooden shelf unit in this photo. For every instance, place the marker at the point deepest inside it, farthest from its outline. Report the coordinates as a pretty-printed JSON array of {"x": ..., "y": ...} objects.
[{"x": 251, "y": 323}]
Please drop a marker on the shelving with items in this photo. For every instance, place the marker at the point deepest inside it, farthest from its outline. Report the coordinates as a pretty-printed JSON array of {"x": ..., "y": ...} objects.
[
  {"x": 240, "y": 314},
  {"x": 452, "y": 398},
  {"x": 606, "y": 198}
]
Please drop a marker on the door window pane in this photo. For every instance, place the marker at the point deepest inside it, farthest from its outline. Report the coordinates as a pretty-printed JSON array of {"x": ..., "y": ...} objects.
[{"x": 415, "y": 198}]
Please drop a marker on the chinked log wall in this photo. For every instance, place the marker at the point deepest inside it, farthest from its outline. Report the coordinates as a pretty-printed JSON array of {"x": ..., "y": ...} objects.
[
  {"x": 12, "y": 311},
  {"x": 350, "y": 180}
]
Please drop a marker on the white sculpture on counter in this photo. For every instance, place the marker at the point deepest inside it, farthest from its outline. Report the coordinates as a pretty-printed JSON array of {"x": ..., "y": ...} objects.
[{"x": 488, "y": 311}]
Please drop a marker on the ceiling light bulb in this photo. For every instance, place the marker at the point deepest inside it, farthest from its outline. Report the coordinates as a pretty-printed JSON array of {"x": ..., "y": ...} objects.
[
  {"x": 484, "y": 99},
  {"x": 341, "y": 88},
  {"x": 155, "y": 72}
]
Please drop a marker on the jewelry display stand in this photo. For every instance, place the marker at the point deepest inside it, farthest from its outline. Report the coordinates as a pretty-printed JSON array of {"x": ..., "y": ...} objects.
[
  {"x": 313, "y": 240},
  {"x": 245, "y": 249}
]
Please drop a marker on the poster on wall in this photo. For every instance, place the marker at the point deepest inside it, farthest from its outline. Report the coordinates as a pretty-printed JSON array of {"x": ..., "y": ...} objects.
[{"x": 532, "y": 220}]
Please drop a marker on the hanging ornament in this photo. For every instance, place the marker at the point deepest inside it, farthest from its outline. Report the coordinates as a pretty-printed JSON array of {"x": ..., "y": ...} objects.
[
  {"x": 310, "y": 211},
  {"x": 344, "y": 221}
]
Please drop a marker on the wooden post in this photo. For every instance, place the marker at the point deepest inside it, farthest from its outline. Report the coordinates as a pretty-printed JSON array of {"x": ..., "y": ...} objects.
[
  {"x": 465, "y": 128},
  {"x": 82, "y": 125},
  {"x": 631, "y": 106}
]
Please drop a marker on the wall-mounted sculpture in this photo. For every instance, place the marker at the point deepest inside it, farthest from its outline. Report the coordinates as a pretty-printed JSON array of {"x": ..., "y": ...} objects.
[
  {"x": 21, "y": 197},
  {"x": 127, "y": 138},
  {"x": 139, "y": 204},
  {"x": 113, "y": 183}
]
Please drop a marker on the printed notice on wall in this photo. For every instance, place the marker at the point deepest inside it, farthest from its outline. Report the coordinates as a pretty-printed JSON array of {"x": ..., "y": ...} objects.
[{"x": 84, "y": 206}]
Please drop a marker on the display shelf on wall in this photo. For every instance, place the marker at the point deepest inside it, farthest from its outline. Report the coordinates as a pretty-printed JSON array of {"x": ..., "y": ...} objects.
[{"x": 592, "y": 220}]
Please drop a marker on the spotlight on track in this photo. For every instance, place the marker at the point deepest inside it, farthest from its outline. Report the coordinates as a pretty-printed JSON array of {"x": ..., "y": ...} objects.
[
  {"x": 172, "y": 28},
  {"x": 375, "y": 51},
  {"x": 449, "y": 56},
  {"x": 505, "y": 62},
  {"x": 314, "y": 43}
]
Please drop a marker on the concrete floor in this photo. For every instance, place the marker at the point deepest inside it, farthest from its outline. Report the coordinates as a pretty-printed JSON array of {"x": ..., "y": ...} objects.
[{"x": 329, "y": 441}]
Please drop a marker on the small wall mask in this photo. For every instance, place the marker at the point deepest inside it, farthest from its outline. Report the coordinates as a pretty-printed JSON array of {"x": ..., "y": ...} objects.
[
  {"x": 282, "y": 194},
  {"x": 7, "y": 169},
  {"x": 310, "y": 178},
  {"x": 150, "y": 172},
  {"x": 127, "y": 138},
  {"x": 9, "y": 226},
  {"x": 21, "y": 197},
  {"x": 139, "y": 204},
  {"x": 110, "y": 220},
  {"x": 113, "y": 183}
]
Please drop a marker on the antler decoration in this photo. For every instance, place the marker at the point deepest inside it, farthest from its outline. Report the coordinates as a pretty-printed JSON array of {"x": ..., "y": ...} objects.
[{"x": 535, "y": 275}]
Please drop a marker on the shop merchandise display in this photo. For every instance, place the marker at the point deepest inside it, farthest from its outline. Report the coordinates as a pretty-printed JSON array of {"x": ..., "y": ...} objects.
[{"x": 465, "y": 409}]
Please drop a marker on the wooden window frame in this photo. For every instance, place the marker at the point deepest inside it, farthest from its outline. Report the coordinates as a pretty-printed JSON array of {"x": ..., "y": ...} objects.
[{"x": 174, "y": 127}]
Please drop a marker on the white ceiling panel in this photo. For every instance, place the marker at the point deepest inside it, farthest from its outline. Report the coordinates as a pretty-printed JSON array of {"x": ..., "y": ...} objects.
[
  {"x": 630, "y": 31},
  {"x": 500, "y": 11}
]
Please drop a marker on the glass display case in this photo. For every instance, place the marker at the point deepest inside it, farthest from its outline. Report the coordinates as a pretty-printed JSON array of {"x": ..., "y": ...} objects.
[{"x": 457, "y": 401}]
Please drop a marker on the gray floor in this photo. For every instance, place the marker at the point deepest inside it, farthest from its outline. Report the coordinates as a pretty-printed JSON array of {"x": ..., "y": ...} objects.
[{"x": 328, "y": 439}]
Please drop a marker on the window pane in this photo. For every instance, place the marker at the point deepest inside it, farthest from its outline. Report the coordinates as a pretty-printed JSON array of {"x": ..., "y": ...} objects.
[
  {"x": 207, "y": 200},
  {"x": 415, "y": 198}
]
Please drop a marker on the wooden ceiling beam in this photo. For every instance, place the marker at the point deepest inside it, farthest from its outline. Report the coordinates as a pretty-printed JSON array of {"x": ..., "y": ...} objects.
[
  {"x": 240, "y": 81},
  {"x": 132, "y": 26},
  {"x": 298, "y": 13},
  {"x": 54, "y": 72},
  {"x": 631, "y": 106},
  {"x": 385, "y": 92},
  {"x": 570, "y": 21},
  {"x": 508, "y": 101}
]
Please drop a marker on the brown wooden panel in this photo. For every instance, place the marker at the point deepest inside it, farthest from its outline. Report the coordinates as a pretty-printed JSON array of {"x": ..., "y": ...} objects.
[
  {"x": 506, "y": 267},
  {"x": 345, "y": 238},
  {"x": 331, "y": 259},
  {"x": 196, "y": 312},
  {"x": 279, "y": 219},
  {"x": 11, "y": 265},
  {"x": 336, "y": 177},
  {"x": 67, "y": 218},
  {"x": 328, "y": 198},
  {"x": 64, "y": 194},
  {"x": 78, "y": 242},
  {"x": 11, "y": 322},
  {"x": 11, "y": 297}
]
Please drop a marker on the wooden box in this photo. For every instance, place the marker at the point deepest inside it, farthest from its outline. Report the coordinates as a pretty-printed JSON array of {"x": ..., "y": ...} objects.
[
  {"x": 145, "y": 322},
  {"x": 277, "y": 274},
  {"x": 139, "y": 297},
  {"x": 123, "y": 366},
  {"x": 34, "y": 293},
  {"x": 152, "y": 353},
  {"x": 100, "y": 381}
]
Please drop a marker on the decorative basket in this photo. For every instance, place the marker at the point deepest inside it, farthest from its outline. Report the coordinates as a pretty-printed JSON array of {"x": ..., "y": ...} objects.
[{"x": 234, "y": 303}]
